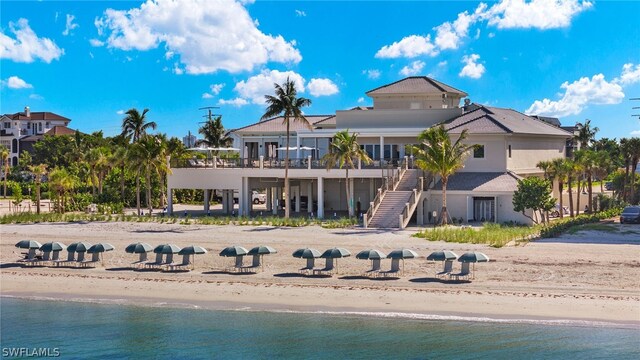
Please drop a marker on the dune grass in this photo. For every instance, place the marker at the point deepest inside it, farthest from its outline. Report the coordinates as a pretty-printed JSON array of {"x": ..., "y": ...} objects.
[{"x": 495, "y": 235}]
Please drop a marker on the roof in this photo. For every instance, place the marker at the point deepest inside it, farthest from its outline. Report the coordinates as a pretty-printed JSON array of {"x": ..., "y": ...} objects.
[
  {"x": 550, "y": 120},
  {"x": 37, "y": 115},
  {"x": 60, "y": 130},
  {"x": 481, "y": 181},
  {"x": 491, "y": 120},
  {"x": 276, "y": 124},
  {"x": 415, "y": 85}
]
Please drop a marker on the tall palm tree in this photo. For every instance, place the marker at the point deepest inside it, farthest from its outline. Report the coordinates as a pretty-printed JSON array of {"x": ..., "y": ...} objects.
[
  {"x": 38, "y": 172},
  {"x": 439, "y": 155},
  {"x": 345, "y": 150},
  {"x": 137, "y": 159},
  {"x": 148, "y": 157},
  {"x": 578, "y": 172},
  {"x": 287, "y": 103},
  {"x": 135, "y": 124},
  {"x": 586, "y": 134},
  {"x": 568, "y": 167},
  {"x": 214, "y": 133},
  {"x": 634, "y": 148},
  {"x": 587, "y": 158},
  {"x": 61, "y": 182},
  {"x": 626, "y": 153},
  {"x": 4, "y": 155}
]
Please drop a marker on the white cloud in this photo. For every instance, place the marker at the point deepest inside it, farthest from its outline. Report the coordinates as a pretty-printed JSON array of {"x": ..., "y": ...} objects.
[
  {"x": 472, "y": 68},
  {"x": 578, "y": 95},
  {"x": 538, "y": 14},
  {"x": 207, "y": 35},
  {"x": 207, "y": 96},
  {"x": 301, "y": 13},
  {"x": 36, "y": 97},
  {"x": 256, "y": 87},
  {"x": 237, "y": 102},
  {"x": 120, "y": 112},
  {"x": 14, "y": 82},
  {"x": 635, "y": 133},
  {"x": 91, "y": 54},
  {"x": 409, "y": 47},
  {"x": 630, "y": 75},
  {"x": 96, "y": 43},
  {"x": 372, "y": 74},
  {"x": 413, "y": 69},
  {"x": 322, "y": 87},
  {"x": 70, "y": 25},
  {"x": 216, "y": 88},
  {"x": 27, "y": 46},
  {"x": 442, "y": 63},
  {"x": 360, "y": 100},
  {"x": 491, "y": 35},
  {"x": 477, "y": 36},
  {"x": 449, "y": 35}
]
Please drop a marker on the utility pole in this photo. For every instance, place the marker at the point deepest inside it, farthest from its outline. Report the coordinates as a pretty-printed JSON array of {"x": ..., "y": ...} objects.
[
  {"x": 635, "y": 108},
  {"x": 209, "y": 113}
]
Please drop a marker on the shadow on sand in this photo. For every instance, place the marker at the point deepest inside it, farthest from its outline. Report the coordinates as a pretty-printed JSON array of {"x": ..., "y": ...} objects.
[
  {"x": 221, "y": 272},
  {"x": 441, "y": 281},
  {"x": 267, "y": 228}
]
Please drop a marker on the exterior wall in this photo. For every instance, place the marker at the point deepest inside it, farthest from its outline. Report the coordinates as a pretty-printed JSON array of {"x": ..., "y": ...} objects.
[
  {"x": 527, "y": 151},
  {"x": 392, "y": 118},
  {"x": 435, "y": 101},
  {"x": 494, "y": 154},
  {"x": 457, "y": 206}
]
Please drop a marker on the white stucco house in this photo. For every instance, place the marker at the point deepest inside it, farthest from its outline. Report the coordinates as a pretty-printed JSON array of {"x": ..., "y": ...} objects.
[{"x": 389, "y": 192}]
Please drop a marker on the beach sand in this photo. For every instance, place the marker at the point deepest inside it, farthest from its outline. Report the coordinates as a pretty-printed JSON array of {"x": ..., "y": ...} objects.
[{"x": 592, "y": 276}]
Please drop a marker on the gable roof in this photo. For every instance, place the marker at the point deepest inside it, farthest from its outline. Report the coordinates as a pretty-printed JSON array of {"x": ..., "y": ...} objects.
[
  {"x": 481, "y": 181},
  {"x": 415, "y": 85},
  {"x": 37, "y": 115},
  {"x": 276, "y": 125},
  {"x": 491, "y": 120},
  {"x": 60, "y": 130}
]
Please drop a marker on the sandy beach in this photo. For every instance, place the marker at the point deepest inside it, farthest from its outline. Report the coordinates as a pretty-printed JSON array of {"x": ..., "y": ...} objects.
[{"x": 590, "y": 276}]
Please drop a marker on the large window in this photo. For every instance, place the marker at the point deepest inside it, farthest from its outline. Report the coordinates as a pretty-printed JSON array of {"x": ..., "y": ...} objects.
[{"x": 478, "y": 152}]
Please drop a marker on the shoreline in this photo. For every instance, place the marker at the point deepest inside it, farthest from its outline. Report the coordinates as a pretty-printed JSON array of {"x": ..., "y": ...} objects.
[{"x": 329, "y": 311}]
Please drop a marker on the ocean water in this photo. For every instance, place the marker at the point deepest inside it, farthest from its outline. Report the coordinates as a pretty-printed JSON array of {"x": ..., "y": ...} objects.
[{"x": 83, "y": 330}]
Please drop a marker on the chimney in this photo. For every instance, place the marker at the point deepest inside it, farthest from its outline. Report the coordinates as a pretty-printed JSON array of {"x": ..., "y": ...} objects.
[{"x": 27, "y": 111}]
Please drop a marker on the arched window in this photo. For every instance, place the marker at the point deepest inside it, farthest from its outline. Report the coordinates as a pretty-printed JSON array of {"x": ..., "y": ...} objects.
[
  {"x": 14, "y": 146},
  {"x": 15, "y": 161}
]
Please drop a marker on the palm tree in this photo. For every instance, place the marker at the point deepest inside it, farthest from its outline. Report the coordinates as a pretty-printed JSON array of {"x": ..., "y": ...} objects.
[
  {"x": 586, "y": 134},
  {"x": 61, "y": 182},
  {"x": 148, "y": 157},
  {"x": 38, "y": 172},
  {"x": 626, "y": 152},
  {"x": 587, "y": 158},
  {"x": 137, "y": 158},
  {"x": 440, "y": 156},
  {"x": 634, "y": 152},
  {"x": 4, "y": 155},
  {"x": 135, "y": 125},
  {"x": 345, "y": 150},
  {"x": 287, "y": 103},
  {"x": 214, "y": 133},
  {"x": 568, "y": 167}
]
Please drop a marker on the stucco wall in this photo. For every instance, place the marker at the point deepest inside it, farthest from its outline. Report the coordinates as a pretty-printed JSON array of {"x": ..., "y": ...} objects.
[
  {"x": 494, "y": 154},
  {"x": 526, "y": 152},
  {"x": 393, "y": 118}
]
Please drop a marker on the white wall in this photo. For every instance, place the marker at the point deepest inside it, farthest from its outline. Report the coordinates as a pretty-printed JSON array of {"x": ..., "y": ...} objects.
[
  {"x": 494, "y": 154},
  {"x": 526, "y": 152}
]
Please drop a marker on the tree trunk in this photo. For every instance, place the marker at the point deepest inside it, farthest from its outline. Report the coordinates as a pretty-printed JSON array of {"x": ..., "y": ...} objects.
[
  {"x": 570, "y": 190},
  {"x": 149, "y": 203},
  {"x": 578, "y": 199},
  {"x": 626, "y": 181},
  {"x": 287, "y": 203},
  {"x": 634, "y": 167},
  {"x": 6, "y": 175},
  {"x": 122, "y": 183},
  {"x": 561, "y": 188},
  {"x": 38, "y": 199},
  {"x": 138, "y": 193},
  {"x": 349, "y": 202},
  {"x": 590, "y": 191},
  {"x": 444, "y": 214}
]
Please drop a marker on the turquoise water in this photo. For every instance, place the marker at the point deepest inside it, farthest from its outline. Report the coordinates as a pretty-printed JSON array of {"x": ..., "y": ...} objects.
[{"x": 99, "y": 331}]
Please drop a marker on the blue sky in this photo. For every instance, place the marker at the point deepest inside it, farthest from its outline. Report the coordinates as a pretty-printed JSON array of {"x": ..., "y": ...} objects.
[{"x": 90, "y": 61}]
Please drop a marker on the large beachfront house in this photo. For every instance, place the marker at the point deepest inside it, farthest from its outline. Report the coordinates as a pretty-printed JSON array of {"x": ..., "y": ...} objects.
[
  {"x": 390, "y": 192},
  {"x": 21, "y": 130}
]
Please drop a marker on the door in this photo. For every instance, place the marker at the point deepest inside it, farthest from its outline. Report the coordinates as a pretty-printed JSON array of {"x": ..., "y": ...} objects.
[{"x": 484, "y": 209}]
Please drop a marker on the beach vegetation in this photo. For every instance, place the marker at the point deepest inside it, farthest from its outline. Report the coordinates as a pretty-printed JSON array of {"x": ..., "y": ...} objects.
[
  {"x": 4, "y": 156},
  {"x": 287, "y": 103},
  {"x": 534, "y": 194}
]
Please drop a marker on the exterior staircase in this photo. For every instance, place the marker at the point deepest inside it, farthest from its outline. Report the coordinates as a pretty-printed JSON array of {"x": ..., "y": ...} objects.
[{"x": 398, "y": 203}]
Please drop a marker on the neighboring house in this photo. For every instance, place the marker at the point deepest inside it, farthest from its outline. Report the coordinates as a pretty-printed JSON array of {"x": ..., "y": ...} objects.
[
  {"x": 19, "y": 131},
  {"x": 510, "y": 146}
]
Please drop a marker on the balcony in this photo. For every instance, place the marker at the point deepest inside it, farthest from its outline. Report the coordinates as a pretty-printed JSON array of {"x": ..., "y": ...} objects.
[{"x": 261, "y": 163}]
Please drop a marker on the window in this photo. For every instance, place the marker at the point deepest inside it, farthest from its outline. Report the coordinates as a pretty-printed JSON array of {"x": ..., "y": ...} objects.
[
  {"x": 7, "y": 125},
  {"x": 29, "y": 125},
  {"x": 478, "y": 152},
  {"x": 509, "y": 151},
  {"x": 40, "y": 127}
]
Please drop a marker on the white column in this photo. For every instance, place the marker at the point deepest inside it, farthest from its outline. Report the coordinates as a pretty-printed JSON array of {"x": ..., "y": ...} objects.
[
  {"x": 242, "y": 152},
  {"x": 420, "y": 210},
  {"x": 309, "y": 197},
  {"x": 269, "y": 199},
  {"x": 381, "y": 147},
  {"x": 169, "y": 201},
  {"x": 225, "y": 201},
  {"x": 207, "y": 197},
  {"x": 320, "y": 198},
  {"x": 276, "y": 197},
  {"x": 296, "y": 192}
]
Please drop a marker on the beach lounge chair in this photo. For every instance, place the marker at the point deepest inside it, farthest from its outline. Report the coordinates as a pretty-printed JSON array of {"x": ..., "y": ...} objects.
[
  {"x": 448, "y": 267},
  {"x": 375, "y": 268},
  {"x": 327, "y": 270},
  {"x": 184, "y": 265},
  {"x": 255, "y": 265},
  {"x": 310, "y": 264},
  {"x": 464, "y": 272},
  {"x": 154, "y": 264},
  {"x": 141, "y": 261},
  {"x": 95, "y": 259},
  {"x": 395, "y": 269}
]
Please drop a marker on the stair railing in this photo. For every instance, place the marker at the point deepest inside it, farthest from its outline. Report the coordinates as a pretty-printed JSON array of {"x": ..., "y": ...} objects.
[
  {"x": 390, "y": 184},
  {"x": 410, "y": 207}
]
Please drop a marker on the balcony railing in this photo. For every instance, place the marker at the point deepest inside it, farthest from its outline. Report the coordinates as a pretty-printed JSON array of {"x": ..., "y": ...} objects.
[{"x": 262, "y": 163}]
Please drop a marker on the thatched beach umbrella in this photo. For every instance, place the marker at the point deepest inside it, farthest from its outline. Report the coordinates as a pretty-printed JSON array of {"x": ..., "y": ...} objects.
[
  {"x": 139, "y": 248},
  {"x": 191, "y": 251},
  {"x": 31, "y": 245}
]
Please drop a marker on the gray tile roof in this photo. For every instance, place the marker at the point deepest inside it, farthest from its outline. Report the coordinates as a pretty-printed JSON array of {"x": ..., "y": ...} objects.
[
  {"x": 276, "y": 125},
  {"x": 481, "y": 181},
  {"x": 415, "y": 85},
  {"x": 491, "y": 120}
]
